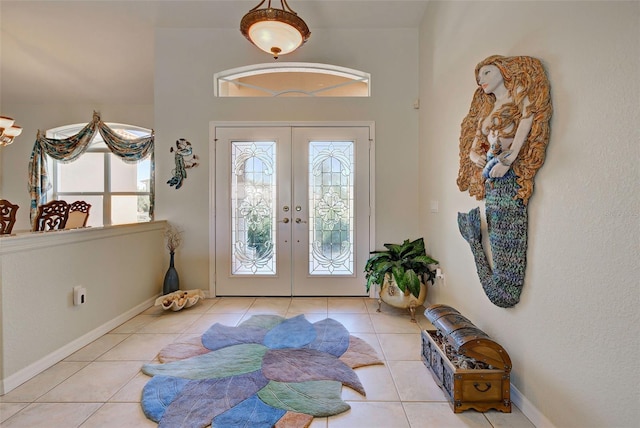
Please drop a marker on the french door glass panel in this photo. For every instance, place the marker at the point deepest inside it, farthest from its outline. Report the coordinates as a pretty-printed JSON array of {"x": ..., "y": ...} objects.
[
  {"x": 253, "y": 213},
  {"x": 290, "y": 203}
]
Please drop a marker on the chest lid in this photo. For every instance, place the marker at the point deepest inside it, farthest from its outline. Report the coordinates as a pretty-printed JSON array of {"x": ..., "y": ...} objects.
[{"x": 466, "y": 338}]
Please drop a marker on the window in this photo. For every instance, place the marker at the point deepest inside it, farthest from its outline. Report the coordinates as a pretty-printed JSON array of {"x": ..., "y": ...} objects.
[
  {"x": 118, "y": 192},
  {"x": 292, "y": 79}
]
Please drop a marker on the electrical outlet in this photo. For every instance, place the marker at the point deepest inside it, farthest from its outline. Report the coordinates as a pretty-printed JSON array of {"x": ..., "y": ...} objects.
[{"x": 79, "y": 295}]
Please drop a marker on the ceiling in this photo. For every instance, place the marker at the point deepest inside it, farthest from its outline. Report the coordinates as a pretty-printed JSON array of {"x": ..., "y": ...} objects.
[{"x": 102, "y": 51}]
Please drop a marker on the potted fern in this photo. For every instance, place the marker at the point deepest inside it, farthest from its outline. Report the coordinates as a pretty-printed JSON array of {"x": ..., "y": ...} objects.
[{"x": 402, "y": 272}]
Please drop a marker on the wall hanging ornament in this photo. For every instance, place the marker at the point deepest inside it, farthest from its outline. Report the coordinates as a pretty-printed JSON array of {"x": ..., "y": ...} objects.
[
  {"x": 502, "y": 145},
  {"x": 185, "y": 159}
]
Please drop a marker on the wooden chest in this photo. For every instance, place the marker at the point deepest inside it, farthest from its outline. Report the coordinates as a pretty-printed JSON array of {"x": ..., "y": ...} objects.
[{"x": 471, "y": 369}]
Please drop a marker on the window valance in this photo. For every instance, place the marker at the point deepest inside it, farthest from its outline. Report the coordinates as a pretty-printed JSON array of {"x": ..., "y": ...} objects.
[{"x": 69, "y": 149}]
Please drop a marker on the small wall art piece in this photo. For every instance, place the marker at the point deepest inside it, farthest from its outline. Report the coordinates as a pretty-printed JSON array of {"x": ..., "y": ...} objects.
[
  {"x": 184, "y": 159},
  {"x": 502, "y": 145}
]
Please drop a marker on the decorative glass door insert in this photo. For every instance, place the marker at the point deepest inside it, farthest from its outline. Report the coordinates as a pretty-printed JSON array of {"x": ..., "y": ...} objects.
[
  {"x": 253, "y": 197},
  {"x": 331, "y": 200},
  {"x": 288, "y": 210}
]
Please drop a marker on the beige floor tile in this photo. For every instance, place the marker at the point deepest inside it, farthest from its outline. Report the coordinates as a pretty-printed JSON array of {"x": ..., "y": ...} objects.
[
  {"x": 440, "y": 415},
  {"x": 399, "y": 312},
  {"x": 67, "y": 415},
  {"x": 309, "y": 305},
  {"x": 355, "y": 323},
  {"x": 101, "y": 385},
  {"x": 318, "y": 423},
  {"x": 97, "y": 347},
  {"x": 119, "y": 415},
  {"x": 134, "y": 324},
  {"x": 9, "y": 409},
  {"x": 170, "y": 322},
  {"x": 404, "y": 347},
  {"x": 270, "y": 305},
  {"x": 378, "y": 385},
  {"x": 205, "y": 322},
  {"x": 202, "y": 306},
  {"x": 310, "y": 316},
  {"x": 232, "y": 305},
  {"x": 515, "y": 419},
  {"x": 153, "y": 310},
  {"x": 414, "y": 381},
  {"x": 97, "y": 382},
  {"x": 132, "y": 391},
  {"x": 349, "y": 305},
  {"x": 390, "y": 323},
  {"x": 371, "y": 415},
  {"x": 44, "y": 382},
  {"x": 141, "y": 347},
  {"x": 372, "y": 305}
]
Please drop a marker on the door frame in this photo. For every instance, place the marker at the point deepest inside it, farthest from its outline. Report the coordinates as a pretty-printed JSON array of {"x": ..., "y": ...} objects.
[{"x": 255, "y": 124}]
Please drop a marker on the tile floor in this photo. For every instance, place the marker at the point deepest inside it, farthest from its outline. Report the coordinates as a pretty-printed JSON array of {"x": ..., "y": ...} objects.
[{"x": 100, "y": 385}]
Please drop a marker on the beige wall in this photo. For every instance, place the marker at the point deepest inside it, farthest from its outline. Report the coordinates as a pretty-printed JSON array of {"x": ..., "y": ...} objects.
[
  {"x": 121, "y": 268},
  {"x": 186, "y": 60},
  {"x": 573, "y": 338}
]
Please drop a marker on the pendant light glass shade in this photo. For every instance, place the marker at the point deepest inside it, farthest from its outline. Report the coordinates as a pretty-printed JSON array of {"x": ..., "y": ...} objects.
[
  {"x": 276, "y": 31},
  {"x": 8, "y": 130}
]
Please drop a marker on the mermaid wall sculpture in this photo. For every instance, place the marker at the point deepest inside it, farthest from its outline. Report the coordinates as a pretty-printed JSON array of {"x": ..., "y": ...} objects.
[{"x": 502, "y": 145}]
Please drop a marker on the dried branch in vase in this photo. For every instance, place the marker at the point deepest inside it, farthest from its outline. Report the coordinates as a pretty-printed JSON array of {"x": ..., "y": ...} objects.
[{"x": 174, "y": 237}]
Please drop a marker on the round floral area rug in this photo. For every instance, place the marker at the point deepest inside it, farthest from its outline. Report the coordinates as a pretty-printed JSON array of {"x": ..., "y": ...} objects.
[{"x": 269, "y": 371}]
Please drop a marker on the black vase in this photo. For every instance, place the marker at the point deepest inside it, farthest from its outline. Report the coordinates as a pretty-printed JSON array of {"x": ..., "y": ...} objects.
[{"x": 171, "y": 281}]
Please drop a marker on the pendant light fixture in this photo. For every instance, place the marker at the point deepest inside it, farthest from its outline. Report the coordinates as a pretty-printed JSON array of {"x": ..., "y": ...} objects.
[
  {"x": 8, "y": 131},
  {"x": 276, "y": 31}
]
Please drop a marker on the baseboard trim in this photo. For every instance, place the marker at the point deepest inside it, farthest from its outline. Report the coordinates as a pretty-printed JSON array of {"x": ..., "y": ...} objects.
[
  {"x": 529, "y": 410},
  {"x": 23, "y": 375}
]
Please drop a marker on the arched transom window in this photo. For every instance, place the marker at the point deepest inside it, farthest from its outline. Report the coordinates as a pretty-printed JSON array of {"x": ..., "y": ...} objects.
[{"x": 292, "y": 79}]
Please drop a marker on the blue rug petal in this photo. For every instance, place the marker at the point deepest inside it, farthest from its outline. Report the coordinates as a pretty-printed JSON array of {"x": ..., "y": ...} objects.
[
  {"x": 291, "y": 333},
  {"x": 220, "y": 336},
  {"x": 265, "y": 321},
  {"x": 159, "y": 393},
  {"x": 252, "y": 412},
  {"x": 202, "y": 400},
  {"x": 331, "y": 337}
]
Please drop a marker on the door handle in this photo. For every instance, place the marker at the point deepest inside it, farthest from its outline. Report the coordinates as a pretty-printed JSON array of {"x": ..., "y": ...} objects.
[
  {"x": 299, "y": 220},
  {"x": 284, "y": 220}
]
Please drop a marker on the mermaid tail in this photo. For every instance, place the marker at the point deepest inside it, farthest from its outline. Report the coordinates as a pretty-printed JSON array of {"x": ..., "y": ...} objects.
[{"x": 507, "y": 224}]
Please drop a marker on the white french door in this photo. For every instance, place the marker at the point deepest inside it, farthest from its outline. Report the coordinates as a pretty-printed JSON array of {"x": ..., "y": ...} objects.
[{"x": 292, "y": 210}]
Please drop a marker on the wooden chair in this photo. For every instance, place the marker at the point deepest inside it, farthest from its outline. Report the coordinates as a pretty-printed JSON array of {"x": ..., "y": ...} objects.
[
  {"x": 51, "y": 216},
  {"x": 7, "y": 216},
  {"x": 78, "y": 215}
]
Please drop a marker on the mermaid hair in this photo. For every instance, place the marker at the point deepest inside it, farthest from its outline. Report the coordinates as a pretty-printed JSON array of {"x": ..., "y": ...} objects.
[{"x": 523, "y": 77}]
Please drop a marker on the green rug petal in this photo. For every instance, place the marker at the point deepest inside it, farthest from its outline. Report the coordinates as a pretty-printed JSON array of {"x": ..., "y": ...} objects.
[
  {"x": 231, "y": 361},
  {"x": 318, "y": 398}
]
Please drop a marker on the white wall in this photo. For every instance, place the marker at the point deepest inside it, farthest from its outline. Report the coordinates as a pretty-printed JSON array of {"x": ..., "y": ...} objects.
[
  {"x": 573, "y": 338},
  {"x": 186, "y": 60}
]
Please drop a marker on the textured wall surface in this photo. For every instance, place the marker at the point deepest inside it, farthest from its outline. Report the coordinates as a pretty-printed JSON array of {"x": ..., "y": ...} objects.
[{"x": 573, "y": 337}]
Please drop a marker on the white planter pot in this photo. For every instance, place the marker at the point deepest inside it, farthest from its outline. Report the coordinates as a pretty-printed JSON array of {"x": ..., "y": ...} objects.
[{"x": 393, "y": 296}]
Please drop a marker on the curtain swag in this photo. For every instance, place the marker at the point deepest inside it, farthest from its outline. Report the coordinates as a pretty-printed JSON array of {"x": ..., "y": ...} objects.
[{"x": 69, "y": 149}]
